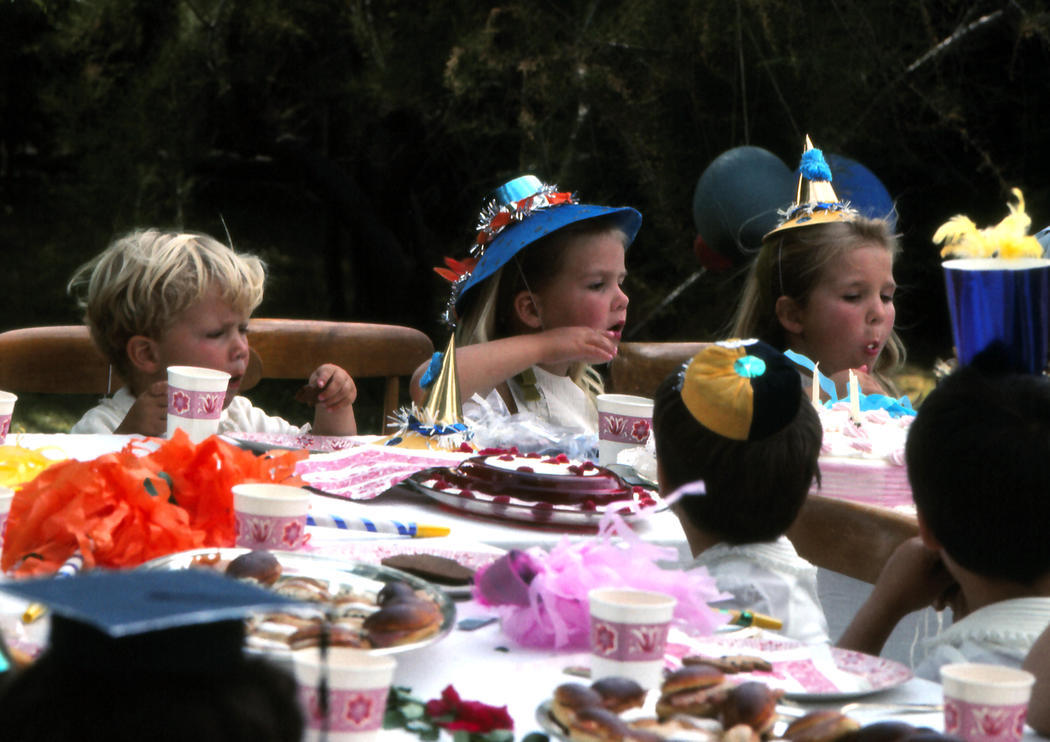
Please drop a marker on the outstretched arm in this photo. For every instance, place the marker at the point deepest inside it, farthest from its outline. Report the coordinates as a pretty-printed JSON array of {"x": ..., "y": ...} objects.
[
  {"x": 484, "y": 366},
  {"x": 912, "y": 578}
]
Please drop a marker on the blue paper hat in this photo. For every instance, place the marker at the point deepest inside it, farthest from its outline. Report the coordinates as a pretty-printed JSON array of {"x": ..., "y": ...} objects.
[
  {"x": 522, "y": 211},
  {"x": 182, "y": 620}
]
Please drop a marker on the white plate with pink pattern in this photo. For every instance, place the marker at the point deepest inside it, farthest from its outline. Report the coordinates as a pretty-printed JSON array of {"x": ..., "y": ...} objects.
[
  {"x": 804, "y": 672},
  {"x": 263, "y": 442}
]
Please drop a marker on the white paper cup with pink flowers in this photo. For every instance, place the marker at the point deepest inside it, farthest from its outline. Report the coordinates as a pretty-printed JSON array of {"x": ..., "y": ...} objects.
[
  {"x": 270, "y": 516},
  {"x": 7, "y": 410},
  {"x": 985, "y": 703},
  {"x": 195, "y": 400},
  {"x": 624, "y": 421},
  {"x": 629, "y": 633},
  {"x": 350, "y": 707}
]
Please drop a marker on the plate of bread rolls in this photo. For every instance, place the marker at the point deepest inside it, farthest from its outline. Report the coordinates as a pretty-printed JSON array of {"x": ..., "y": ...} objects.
[{"x": 347, "y": 603}]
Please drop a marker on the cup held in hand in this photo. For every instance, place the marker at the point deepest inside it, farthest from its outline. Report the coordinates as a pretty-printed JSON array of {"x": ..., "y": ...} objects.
[{"x": 196, "y": 397}]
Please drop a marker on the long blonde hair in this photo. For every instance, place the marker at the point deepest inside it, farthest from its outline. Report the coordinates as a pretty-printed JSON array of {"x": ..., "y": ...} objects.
[
  {"x": 791, "y": 264},
  {"x": 489, "y": 313}
]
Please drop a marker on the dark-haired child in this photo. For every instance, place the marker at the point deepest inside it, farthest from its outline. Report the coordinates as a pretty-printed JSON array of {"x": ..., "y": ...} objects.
[
  {"x": 978, "y": 457},
  {"x": 736, "y": 419}
]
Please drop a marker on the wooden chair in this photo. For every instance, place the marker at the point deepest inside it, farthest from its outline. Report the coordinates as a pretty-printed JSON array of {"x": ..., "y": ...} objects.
[
  {"x": 63, "y": 360},
  {"x": 638, "y": 368},
  {"x": 849, "y": 537}
]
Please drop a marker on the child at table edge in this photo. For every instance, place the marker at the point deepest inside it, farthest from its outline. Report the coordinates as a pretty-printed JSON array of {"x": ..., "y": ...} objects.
[
  {"x": 735, "y": 418},
  {"x": 154, "y": 299},
  {"x": 978, "y": 458},
  {"x": 543, "y": 302},
  {"x": 824, "y": 287}
]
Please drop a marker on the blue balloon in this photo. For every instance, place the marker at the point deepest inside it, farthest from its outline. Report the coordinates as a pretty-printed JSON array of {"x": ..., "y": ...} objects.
[
  {"x": 737, "y": 197},
  {"x": 859, "y": 186}
]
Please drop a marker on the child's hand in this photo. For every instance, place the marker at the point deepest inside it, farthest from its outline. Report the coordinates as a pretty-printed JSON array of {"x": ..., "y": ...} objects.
[
  {"x": 913, "y": 578},
  {"x": 334, "y": 411},
  {"x": 577, "y": 344},
  {"x": 149, "y": 414},
  {"x": 330, "y": 386}
]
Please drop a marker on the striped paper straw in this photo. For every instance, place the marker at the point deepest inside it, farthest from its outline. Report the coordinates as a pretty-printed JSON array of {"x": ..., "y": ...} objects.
[{"x": 393, "y": 527}]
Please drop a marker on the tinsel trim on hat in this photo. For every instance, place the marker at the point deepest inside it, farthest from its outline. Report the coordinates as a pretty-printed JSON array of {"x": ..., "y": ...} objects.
[
  {"x": 415, "y": 421},
  {"x": 493, "y": 219}
]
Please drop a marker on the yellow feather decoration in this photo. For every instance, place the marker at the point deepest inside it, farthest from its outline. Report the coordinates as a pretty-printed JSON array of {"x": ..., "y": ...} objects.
[{"x": 1007, "y": 239}]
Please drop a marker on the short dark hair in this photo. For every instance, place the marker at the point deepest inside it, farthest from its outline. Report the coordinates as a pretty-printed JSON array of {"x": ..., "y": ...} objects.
[
  {"x": 52, "y": 701},
  {"x": 978, "y": 457},
  {"x": 754, "y": 488}
]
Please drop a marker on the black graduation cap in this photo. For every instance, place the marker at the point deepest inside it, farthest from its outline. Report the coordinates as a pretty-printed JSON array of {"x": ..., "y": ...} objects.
[{"x": 176, "y": 621}]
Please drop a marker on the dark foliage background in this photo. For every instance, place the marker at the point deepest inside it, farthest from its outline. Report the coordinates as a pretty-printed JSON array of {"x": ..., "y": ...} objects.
[{"x": 351, "y": 143}]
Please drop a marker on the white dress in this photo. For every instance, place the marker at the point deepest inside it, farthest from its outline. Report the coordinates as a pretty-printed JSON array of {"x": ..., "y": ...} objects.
[
  {"x": 769, "y": 578},
  {"x": 999, "y": 634},
  {"x": 561, "y": 403},
  {"x": 240, "y": 416}
]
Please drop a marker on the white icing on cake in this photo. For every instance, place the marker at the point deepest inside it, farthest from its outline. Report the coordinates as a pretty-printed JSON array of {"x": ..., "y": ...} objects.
[
  {"x": 865, "y": 462},
  {"x": 511, "y": 462}
]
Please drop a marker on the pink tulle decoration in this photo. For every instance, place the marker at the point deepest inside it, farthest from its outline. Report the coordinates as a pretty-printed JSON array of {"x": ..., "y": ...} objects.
[{"x": 557, "y": 614}]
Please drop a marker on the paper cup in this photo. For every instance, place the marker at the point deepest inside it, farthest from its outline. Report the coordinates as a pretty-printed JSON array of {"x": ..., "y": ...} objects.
[
  {"x": 624, "y": 421},
  {"x": 1005, "y": 300},
  {"x": 195, "y": 400},
  {"x": 985, "y": 703},
  {"x": 6, "y": 496},
  {"x": 7, "y": 409},
  {"x": 629, "y": 633},
  {"x": 270, "y": 516},
  {"x": 358, "y": 684}
]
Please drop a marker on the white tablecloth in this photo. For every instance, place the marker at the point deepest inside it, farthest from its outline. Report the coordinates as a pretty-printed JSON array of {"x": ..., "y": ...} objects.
[{"x": 483, "y": 664}]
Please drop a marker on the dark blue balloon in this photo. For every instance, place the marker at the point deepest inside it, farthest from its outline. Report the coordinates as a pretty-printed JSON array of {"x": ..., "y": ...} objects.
[
  {"x": 736, "y": 200},
  {"x": 863, "y": 190}
]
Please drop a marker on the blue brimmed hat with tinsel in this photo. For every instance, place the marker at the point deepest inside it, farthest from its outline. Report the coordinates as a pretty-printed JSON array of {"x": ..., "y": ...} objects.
[
  {"x": 815, "y": 199},
  {"x": 522, "y": 211}
]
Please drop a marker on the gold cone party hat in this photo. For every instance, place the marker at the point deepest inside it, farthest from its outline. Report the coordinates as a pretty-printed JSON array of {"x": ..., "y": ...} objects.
[
  {"x": 443, "y": 405},
  {"x": 815, "y": 198}
]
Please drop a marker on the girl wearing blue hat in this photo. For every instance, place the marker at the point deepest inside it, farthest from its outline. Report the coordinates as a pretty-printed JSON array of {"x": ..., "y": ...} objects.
[{"x": 539, "y": 301}]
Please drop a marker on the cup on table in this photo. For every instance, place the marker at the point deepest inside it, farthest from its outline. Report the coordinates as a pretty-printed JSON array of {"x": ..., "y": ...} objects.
[
  {"x": 270, "y": 516},
  {"x": 628, "y": 633},
  {"x": 985, "y": 703},
  {"x": 195, "y": 399},
  {"x": 6, "y": 496},
  {"x": 624, "y": 421},
  {"x": 7, "y": 409},
  {"x": 357, "y": 688}
]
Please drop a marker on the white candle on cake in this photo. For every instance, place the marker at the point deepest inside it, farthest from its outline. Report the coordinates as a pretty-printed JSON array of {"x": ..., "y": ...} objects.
[
  {"x": 854, "y": 398},
  {"x": 815, "y": 394}
]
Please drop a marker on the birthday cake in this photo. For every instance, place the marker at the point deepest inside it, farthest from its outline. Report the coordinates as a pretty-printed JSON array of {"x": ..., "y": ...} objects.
[
  {"x": 864, "y": 460},
  {"x": 536, "y": 480}
]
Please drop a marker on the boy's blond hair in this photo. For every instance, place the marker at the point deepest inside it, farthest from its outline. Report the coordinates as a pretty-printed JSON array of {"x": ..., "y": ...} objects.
[{"x": 143, "y": 281}]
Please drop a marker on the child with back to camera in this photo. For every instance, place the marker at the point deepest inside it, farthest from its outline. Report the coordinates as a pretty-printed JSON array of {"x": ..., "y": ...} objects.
[
  {"x": 978, "y": 457},
  {"x": 543, "y": 302},
  {"x": 822, "y": 285},
  {"x": 736, "y": 419},
  {"x": 155, "y": 299}
]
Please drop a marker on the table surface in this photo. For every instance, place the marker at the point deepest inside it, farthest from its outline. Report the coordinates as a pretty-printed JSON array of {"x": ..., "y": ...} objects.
[{"x": 484, "y": 664}]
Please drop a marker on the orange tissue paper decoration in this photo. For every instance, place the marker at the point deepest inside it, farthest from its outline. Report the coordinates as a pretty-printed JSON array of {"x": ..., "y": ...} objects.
[{"x": 123, "y": 509}]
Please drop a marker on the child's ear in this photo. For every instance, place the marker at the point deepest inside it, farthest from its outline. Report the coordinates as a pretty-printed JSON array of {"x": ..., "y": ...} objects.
[
  {"x": 928, "y": 539},
  {"x": 789, "y": 314},
  {"x": 527, "y": 310},
  {"x": 143, "y": 355}
]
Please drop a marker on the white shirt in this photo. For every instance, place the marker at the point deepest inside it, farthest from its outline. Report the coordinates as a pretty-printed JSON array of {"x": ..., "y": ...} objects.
[
  {"x": 769, "y": 578},
  {"x": 240, "y": 416},
  {"x": 562, "y": 403},
  {"x": 1000, "y": 634}
]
